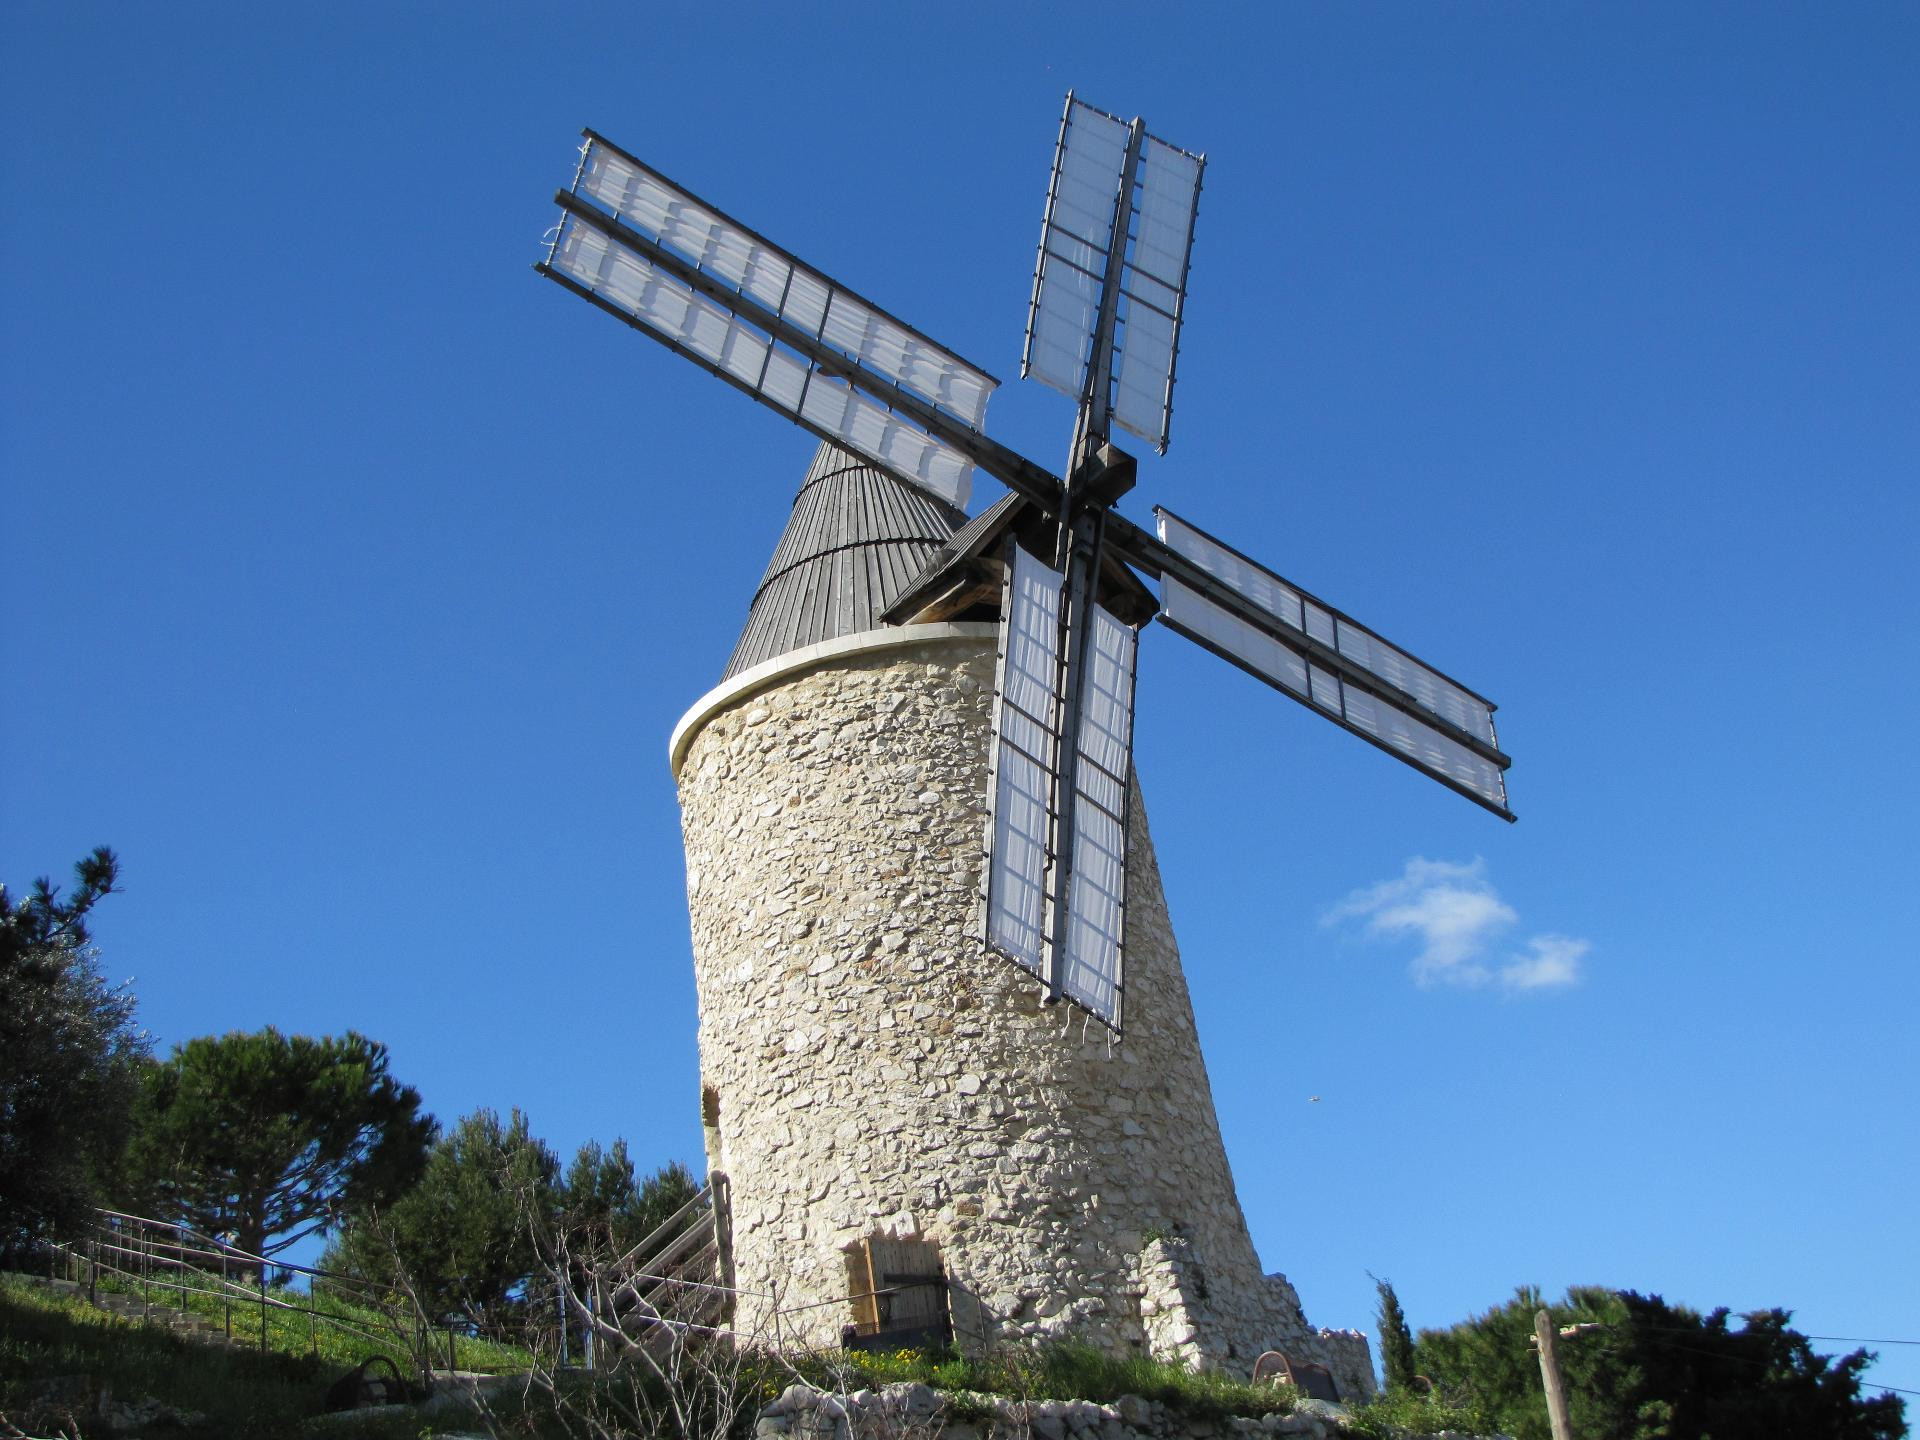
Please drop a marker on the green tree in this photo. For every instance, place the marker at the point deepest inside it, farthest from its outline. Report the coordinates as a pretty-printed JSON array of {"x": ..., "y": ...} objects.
[
  {"x": 1486, "y": 1360},
  {"x": 597, "y": 1199},
  {"x": 662, "y": 1193},
  {"x": 605, "y": 1213},
  {"x": 70, "y": 1055},
  {"x": 1655, "y": 1371},
  {"x": 270, "y": 1138},
  {"x": 462, "y": 1238},
  {"x": 1396, "y": 1340}
]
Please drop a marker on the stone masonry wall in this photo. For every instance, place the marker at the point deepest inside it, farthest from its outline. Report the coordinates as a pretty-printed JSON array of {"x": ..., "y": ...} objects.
[{"x": 869, "y": 1068}]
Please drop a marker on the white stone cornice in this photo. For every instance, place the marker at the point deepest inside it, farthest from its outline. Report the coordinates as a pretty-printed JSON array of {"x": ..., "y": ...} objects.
[{"x": 771, "y": 672}]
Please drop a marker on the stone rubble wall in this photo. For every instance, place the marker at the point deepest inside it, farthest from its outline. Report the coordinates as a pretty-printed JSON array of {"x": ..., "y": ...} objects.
[
  {"x": 869, "y": 1068},
  {"x": 1188, "y": 1318},
  {"x": 917, "y": 1412}
]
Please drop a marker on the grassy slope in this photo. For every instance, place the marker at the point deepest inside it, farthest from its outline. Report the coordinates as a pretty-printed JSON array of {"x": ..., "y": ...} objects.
[
  {"x": 246, "y": 1393},
  {"x": 241, "y": 1393},
  {"x": 295, "y": 1335}
]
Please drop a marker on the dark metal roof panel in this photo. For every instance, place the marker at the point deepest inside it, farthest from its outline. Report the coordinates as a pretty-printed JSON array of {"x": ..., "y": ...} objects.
[
  {"x": 856, "y": 539},
  {"x": 951, "y": 558}
]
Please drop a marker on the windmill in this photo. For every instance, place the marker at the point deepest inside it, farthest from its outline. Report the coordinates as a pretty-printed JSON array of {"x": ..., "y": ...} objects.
[{"x": 1103, "y": 328}]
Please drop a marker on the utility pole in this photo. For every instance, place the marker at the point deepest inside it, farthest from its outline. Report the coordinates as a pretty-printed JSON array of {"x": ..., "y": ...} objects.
[{"x": 1550, "y": 1377}]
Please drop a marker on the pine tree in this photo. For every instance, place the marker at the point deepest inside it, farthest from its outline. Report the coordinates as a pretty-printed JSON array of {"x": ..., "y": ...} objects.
[
  {"x": 70, "y": 1056},
  {"x": 270, "y": 1138},
  {"x": 465, "y": 1236}
]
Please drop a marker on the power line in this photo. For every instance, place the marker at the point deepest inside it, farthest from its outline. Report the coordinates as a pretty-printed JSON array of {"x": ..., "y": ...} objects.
[
  {"x": 1864, "y": 1383},
  {"x": 1843, "y": 1339}
]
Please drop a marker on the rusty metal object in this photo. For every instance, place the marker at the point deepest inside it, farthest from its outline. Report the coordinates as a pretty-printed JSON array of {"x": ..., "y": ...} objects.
[
  {"x": 362, "y": 1386},
  {"x": 1311, "y": 1379}
]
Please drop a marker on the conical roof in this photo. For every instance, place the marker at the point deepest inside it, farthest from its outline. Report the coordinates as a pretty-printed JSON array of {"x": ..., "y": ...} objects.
[{"x": 857, "y": 538}]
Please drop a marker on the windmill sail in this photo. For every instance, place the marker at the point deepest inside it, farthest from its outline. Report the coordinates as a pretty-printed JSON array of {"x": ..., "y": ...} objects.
[
  {"x": 1024, "y": 762},
  {"x": 1319, "y": 656},
  {"x": 718, "y": 293},
  {"x": 1111, "y": 204},
  {"x": 862, "y": 331},
  {"x": 1153, "y": 290},
  {"x": 1091, "y": 969},
  {"x": 1024, "y": 880},
  {"x": 1076, "y": 241}
]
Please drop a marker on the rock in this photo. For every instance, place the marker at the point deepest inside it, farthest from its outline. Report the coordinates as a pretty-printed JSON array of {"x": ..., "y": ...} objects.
[
  {"x": 795, "y": 1399},
  {"x": 918, "y": 1401},
  {"x": 1135, "y": 1411},
  {"x": 1084, "y": 1416},
  {"x": 72, "y": 1390},
  {"x": 129, "y": 1416}
]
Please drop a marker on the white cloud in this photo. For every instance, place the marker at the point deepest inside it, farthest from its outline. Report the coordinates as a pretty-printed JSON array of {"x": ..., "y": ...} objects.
[
  {"x": 1456, "y": 915},
  {"x": 1551, "y": 960}
]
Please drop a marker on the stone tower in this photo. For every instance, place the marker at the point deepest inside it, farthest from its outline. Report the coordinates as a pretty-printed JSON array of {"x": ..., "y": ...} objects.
[{"x": 874, "y": 1081}]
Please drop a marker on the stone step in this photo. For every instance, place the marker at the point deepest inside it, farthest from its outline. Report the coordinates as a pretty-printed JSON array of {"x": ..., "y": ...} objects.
[
  {"x": 135, "y": 1308},
  {"x": 159, "y": 1312}
]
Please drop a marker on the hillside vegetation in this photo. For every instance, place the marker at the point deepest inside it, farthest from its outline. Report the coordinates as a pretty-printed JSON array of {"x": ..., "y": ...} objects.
[{"x": 58, "y": 1354}]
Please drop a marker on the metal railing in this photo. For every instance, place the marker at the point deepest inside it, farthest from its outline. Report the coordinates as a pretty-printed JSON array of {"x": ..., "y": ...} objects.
[
  {"x": 162, "y": 1262},
  {"x": 671, "y": 1281}
]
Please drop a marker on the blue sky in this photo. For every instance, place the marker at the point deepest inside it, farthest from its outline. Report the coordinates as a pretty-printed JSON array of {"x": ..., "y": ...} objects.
[{"x": 354, "y": 576}]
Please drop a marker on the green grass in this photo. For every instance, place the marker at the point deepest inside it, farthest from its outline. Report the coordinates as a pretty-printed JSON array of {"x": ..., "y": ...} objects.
[
  {"x": 1079, "y": 1372},
  {"x": 1060, "y": 1371},
  {"x": 971, "y": 1386},
  {"x": 1404, "y": 1413},
  {"x": 296, "y": 1334},
  {"x": 240, "y": 1393}
]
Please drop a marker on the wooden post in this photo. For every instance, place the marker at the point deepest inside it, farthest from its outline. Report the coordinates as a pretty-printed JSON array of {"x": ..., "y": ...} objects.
[{"x": 1550, "y": 1377}]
